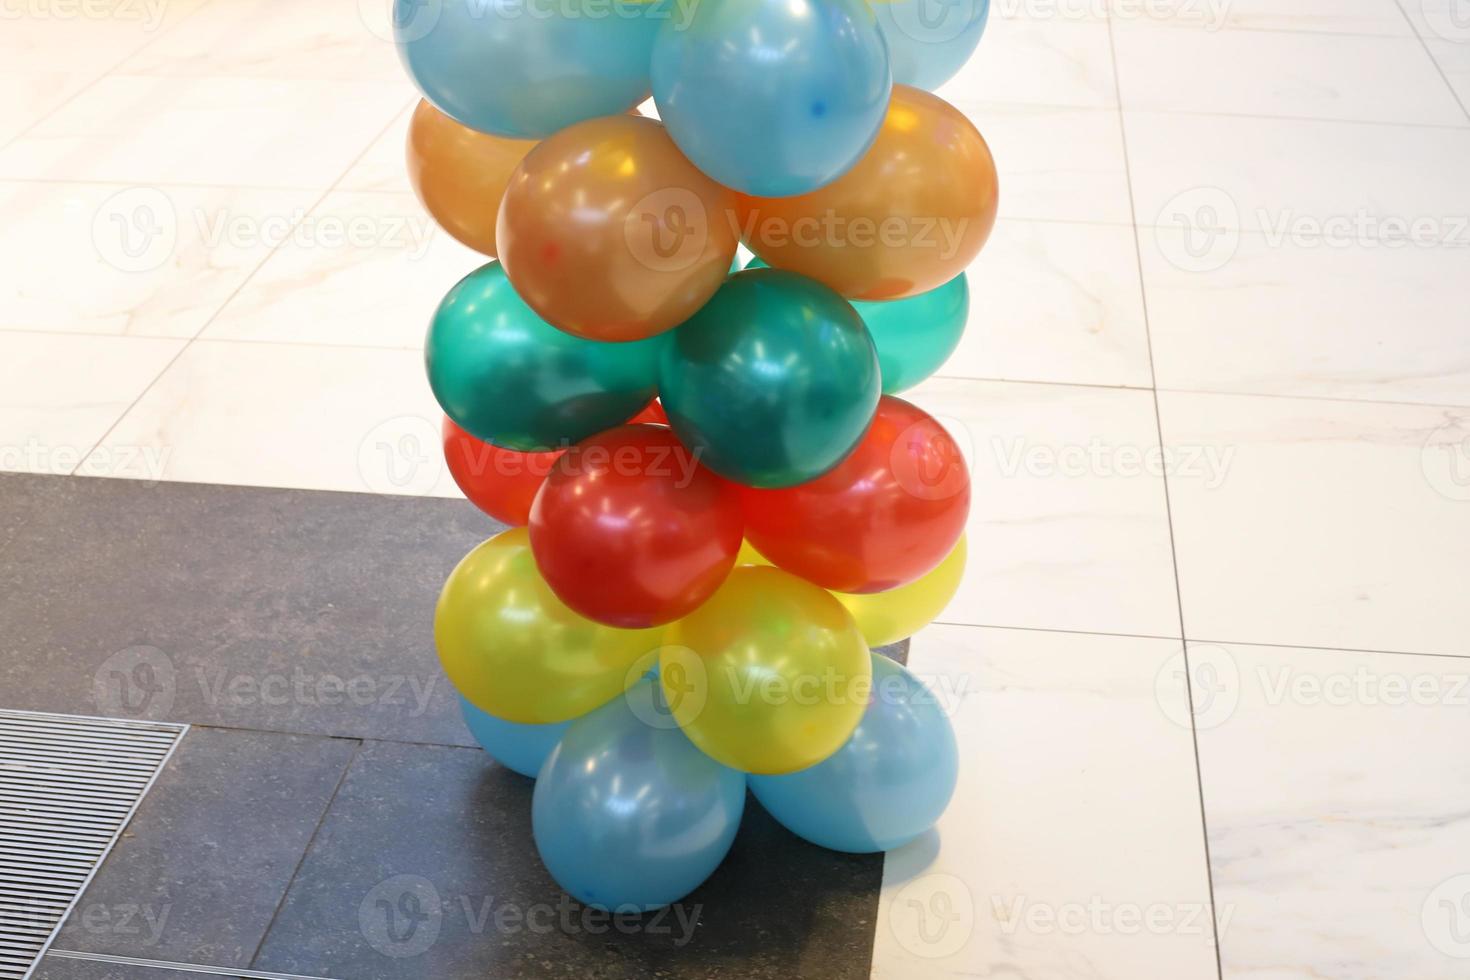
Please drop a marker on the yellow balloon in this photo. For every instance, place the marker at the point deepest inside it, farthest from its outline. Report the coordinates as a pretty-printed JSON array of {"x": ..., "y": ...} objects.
[
  {"x": 770, "y": 675},
  {"x": 515, "y": 650},
  {"x": 749, "y": 556},
  {"x": 887, "y": 617}
]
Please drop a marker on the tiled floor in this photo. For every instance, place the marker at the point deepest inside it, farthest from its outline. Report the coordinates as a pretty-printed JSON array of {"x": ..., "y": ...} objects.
[{"x": 1216, "y": 393}]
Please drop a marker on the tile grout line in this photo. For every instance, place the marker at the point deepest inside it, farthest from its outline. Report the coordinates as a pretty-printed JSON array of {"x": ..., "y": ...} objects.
[
  {"x": 1155, "y": 23},
  {"x": 1169, "y": 519},
  {"x": 306, "y": 852},
  {"x": 979, "y": 106},
  {"x": 941, "y": 375},
  {"x": 1272, "y": 117},
  {"x": 947, "y": 624},
  {"x": 1428, "y": 53},
  {"x": 189, "y": 342},
  {"x": 190, "y": 185}
]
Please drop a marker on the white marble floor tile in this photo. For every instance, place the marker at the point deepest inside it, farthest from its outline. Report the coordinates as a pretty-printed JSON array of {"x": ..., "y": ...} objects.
[
  {"x": 1334, "y": 524},
  {"x": 290, "y": 415},
  {"x": 1355, "y": 321},
  {"x": 1068, "y": 528},
  {"x": 1279, "y": 73},
  {"x": 1038, "y": 62},
  {"x": 1051, "y": 301},
  {"x": 88, "y": 38},
  {"x": 1056, "y": 163},
  {"x": 1073, "y": 848},
  {"x": 360, "y": 270},
  {"x": 383, "y": 167},
  {"x": 320, "y": 39},
  {"x": 1381, "y": 17},
  {"x": 60, "y": 394},
  {"x": 30, "y": 98},
  {"x": 146, "y": 261},
  {"x": 1334, "y": 791},
  {"x": 230, "y": 131},
  {"x": 1295, "y": 177}
]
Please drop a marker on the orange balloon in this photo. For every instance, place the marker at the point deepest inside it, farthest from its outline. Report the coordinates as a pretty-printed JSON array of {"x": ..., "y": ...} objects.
[
  {"x": 460, "y": 174},
  {"x": 908, "y": 218},
  {"x": 609, "y": 233}
]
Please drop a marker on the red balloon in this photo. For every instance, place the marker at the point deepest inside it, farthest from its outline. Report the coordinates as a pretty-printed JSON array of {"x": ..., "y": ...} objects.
[
  {"x": 501, "y": 482},
  {"x": 652, "y": 412},
  {"x": 629, "y": 530},
  {"x": 888, "y": 514}
]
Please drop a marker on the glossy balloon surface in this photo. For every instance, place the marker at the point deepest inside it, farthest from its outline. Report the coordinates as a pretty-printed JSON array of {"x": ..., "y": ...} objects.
[
  {"x": 526, "y": 70},
  {"x": 501, "y": 482},
  {"x": 773, "y": 382},
  {"x": 908, "y": 218},
  {"x": 520, "y": 748},
  {"x": 887, "y": 617},
  {"x": 887, "y": 785},
  {"x": 460, "y": 174},
  {"x": 627, "y": 814},
  {"x": 888, "y": 514},
  {"x": 509, "y": 378},
  {"x": 914, "y": 336},
  {"x": 770, "y": 675},
  {"x": 609, "y": 233},
  {"x": 773, "y": 97},
  {"x": 629, "y": 529},
  {"x": 515, "y": 650}
]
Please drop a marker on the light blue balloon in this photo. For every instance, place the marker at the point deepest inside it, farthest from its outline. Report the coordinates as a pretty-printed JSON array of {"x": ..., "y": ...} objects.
[
  {"x": 773, "y": 97},
  {"x": 526, "y": 68},
  {"x": 886, "y": 786},
  {"x": 627, "y": 813},
  {"x": 914, "y": 336},
  {"x": 521, "y": 748},
  {"x": 930, "y": 40}
]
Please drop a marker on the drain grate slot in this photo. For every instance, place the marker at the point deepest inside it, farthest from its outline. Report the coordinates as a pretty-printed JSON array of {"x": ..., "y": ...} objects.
[{"x": 68, "y": 786}]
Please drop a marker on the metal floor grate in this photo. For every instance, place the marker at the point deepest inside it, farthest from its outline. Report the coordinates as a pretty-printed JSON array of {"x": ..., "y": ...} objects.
[{"x": 68, "y": 786}]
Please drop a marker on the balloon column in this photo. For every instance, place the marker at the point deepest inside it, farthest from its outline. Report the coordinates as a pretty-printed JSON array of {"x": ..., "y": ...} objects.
[{"x": 717, "y": 504}]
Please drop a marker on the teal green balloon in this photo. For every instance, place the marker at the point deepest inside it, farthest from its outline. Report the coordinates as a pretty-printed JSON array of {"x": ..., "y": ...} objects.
[
  {"x": 914, "y": 336},
  {"x": 773, "y": 382},
  {"x": 508, "y": 377}
]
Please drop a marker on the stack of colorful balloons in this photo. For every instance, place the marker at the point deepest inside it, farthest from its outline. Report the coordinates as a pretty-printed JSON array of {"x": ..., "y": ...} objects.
[{"x": 718, "y": 505}]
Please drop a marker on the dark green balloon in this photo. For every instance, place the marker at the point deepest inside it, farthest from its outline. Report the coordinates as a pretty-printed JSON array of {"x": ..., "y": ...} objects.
[
  {"x": 508, "y": 377},
  {"x": 773, "y": 382},
  {"x": 914, "y": 336}
]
